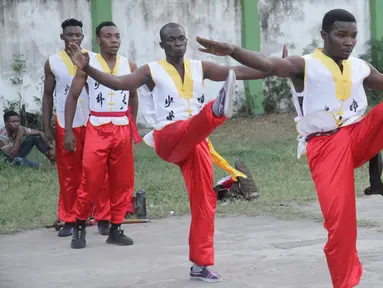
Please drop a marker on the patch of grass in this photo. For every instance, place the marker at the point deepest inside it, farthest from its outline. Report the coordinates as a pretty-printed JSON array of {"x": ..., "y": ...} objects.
[
  {"x": 28, "y": 197},
  {"x": 366, "y": 223},
  {"x": 267, "y": 145}
]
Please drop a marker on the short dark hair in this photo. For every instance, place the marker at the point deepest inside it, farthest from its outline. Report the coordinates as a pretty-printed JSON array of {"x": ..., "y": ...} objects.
[
  {"x": 71, "y": 22},
  {"x": 168, "y": 25},
  {"x": 9, "y": 114},
  {"x": 336, "y": 15},
  {"x": 102, "y": 25}
]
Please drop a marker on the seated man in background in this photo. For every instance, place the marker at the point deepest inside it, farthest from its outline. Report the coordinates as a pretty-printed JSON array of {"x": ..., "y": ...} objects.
[{"x": 16, "y": 142}]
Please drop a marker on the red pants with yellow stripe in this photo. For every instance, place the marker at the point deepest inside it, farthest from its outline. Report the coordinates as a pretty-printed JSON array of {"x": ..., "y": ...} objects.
[
  {"x": 332, "y": 160},
  {"x": 108, "y": 150},
  {"x": 69, "y": 167},
  {"x": 184, "y": 144}
]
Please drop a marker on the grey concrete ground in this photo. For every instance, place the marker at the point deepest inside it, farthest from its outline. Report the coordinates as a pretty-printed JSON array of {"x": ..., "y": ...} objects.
[{"x": 250, "y": 252}]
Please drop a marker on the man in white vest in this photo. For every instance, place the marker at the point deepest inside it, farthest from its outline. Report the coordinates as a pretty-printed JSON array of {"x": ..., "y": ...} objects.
[
  {"x": 338, "y": 135},
  {"x": 59, "y": 72},
  {"x": 108, "y": 142},
  {"x": 183, "y": 120},
  {"x": 243, "y": 179},
  {"x": 375, "y": 164}
]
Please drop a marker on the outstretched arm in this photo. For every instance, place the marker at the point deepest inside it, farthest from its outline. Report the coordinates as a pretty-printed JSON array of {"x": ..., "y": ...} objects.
[
  {"x": 288, "y": 67},
  {"x": 131, "y": 81},
  {"x": 133, "y": 98},
  {"x": 217, "y": 72},
  {"x": 375, "y": 80}
]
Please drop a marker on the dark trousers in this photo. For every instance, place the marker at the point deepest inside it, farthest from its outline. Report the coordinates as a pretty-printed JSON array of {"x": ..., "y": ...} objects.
[{"x": 25, "y": 149}]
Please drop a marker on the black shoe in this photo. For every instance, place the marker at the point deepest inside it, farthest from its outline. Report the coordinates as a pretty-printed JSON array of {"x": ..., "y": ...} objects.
[
  {"x": 103, "y": 227},
  {"x": 374, "y": 190},
  {"x": 78, "y": 239},
  {"x": 117, "y": 237},
  {"x": 66, "y": 230}
]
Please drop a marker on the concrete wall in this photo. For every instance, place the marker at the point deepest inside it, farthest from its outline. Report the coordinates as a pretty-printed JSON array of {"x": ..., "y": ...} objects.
[
  {"x": 140, "y": 22},
  {"x": 33, "y": 28},
  {"x": 297, "y": 23}
]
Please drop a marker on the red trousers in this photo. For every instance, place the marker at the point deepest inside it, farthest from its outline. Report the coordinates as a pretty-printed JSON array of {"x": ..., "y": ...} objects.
[
  {"x": 69, "y": 167},
  {"x": 108, "y": 149},
  {"x": 101, "y": 208},
  {"x": 332, "y": 160},
  {"x": 184, "y": 144}
]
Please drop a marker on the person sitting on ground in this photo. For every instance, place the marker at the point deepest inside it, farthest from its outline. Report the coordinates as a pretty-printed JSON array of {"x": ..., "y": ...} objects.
[{"x": 16, "y": 142}]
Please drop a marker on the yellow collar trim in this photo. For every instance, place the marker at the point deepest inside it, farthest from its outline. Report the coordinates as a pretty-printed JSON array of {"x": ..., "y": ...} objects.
[
  {"x": 185, "y": 88},
  {"x": 105, "y": 67},
  {"x": 343, "y": 81},
  {"x": 71, "y": 68}
]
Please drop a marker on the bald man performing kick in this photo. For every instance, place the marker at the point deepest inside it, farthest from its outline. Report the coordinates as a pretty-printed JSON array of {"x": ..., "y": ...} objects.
[{"x": 183, "y": 122}]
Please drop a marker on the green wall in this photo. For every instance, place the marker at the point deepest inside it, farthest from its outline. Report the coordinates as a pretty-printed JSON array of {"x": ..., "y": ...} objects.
[
  {"x": 101, "y": 10},
  {"x": 251, "y": 39},
  {"x": 376, "y": 9}
]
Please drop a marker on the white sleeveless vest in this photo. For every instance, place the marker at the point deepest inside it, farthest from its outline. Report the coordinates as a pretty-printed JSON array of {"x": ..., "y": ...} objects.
[
  {"x": 173, "y": 100},
  {"x": 332, "y": 99},
  {"x": 104, "y": 99},
  {"x": 64, "y": 71},
  {"x": 146, "y": 104}
]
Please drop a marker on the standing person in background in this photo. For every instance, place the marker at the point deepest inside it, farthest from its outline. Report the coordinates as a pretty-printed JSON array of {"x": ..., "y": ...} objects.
[
  {"x": 109, "y": 132},
  {"x": 59, "y": 72}
]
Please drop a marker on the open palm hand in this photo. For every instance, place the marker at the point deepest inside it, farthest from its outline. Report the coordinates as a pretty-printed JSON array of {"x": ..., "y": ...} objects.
[
  {"x": 214, "y": 47},
  {"x": 79, "y": 58}
]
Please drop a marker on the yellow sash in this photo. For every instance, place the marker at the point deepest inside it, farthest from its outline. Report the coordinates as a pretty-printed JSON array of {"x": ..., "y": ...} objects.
[{"x": 222, "y": 163}]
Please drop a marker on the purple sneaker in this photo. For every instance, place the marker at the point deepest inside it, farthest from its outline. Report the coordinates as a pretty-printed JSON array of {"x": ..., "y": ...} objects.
[
  {"x": 103, "y": 227},
  {"x": 223, "y": 104},
  {"x": 205, "y": 275},
  {"x": 66, "y": 230}
]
